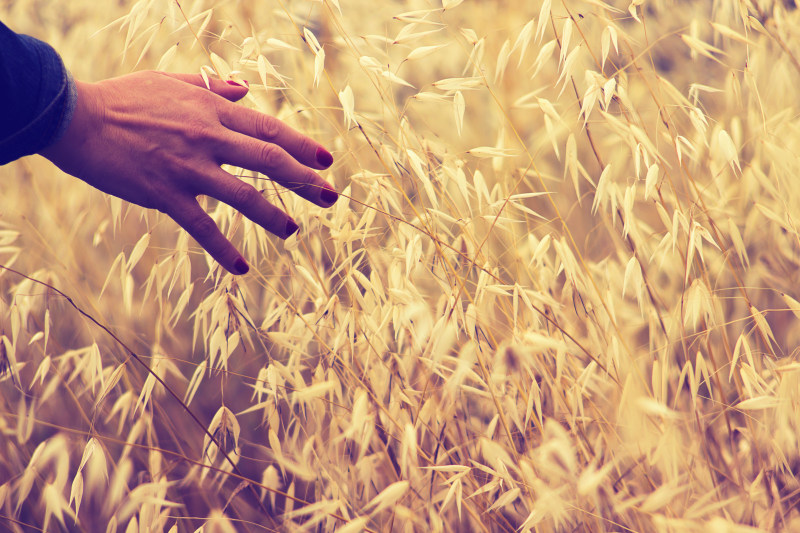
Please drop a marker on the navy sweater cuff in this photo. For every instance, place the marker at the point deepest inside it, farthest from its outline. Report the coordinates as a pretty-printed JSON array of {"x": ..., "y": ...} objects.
[{"x": 37, "y": 95}]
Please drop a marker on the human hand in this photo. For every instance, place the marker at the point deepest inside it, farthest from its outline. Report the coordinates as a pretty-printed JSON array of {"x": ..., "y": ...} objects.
[{"x": 158, "y": 140}]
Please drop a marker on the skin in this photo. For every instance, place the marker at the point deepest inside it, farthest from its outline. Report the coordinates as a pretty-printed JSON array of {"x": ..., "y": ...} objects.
[{"x": 157, "y": 140}]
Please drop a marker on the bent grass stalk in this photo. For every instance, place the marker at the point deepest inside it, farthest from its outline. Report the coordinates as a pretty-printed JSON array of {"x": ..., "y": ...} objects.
[{"x": 558, "y": 290}]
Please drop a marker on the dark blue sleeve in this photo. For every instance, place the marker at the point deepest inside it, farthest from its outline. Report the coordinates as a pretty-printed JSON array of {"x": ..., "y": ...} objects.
[{"x": 37, "y": 95}]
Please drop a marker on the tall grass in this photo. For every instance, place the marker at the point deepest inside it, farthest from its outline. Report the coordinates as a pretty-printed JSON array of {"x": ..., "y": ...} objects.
[{"x": 559, "y": 293}]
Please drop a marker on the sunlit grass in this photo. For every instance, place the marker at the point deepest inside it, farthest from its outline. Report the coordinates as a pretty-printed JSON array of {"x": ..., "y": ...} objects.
[{"x": 557, "y": 293}]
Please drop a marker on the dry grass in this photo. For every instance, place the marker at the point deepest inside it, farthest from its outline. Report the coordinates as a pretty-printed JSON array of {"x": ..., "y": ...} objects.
[{"x": 561, "y": 294}]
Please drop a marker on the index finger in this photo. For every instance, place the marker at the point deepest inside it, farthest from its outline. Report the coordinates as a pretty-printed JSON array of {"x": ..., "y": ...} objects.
[{"x": 266, "y": 128}]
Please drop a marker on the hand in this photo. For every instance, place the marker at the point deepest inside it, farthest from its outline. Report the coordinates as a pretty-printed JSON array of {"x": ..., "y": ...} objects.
[{"x": 158, "y": 140}]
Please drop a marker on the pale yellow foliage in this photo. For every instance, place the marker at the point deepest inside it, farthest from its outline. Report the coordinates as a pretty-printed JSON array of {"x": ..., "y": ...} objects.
[{"x": 559, "y": 291}]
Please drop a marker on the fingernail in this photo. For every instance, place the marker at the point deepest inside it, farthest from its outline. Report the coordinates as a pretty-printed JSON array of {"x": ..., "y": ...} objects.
[
  {"x": 291, "y": 227},
  {"x": 241, "y": 266},
  {"x": 237, "y": 84},
  {"x": 324, "y": 157},
  {"x": 328, "y": 195}
]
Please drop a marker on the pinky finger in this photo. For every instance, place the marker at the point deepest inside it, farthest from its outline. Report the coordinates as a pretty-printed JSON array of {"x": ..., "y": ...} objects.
[{"x": 191, "y": 217}]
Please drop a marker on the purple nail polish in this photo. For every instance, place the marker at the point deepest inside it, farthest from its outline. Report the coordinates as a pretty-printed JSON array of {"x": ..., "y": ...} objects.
[
  {"x": 324, "y": 157},
  {"x": 241, "y": 266},
  {"x": 329, "y": 196},
  {"x": 236, "y": 84},
  {"x": 291, "y": 227}
]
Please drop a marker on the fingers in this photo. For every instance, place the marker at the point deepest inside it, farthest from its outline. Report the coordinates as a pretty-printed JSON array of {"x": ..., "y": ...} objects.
[
  {"x": 244, "y": 198},
  {"x": 230, "y": 90},
  {"x": 266, "y": 128},
  {"x": 260, "y": 142},
  {"x": 191, "y": 217},
  {"x": 278, "y": 164},
  {"x": 251, "y": 203}
]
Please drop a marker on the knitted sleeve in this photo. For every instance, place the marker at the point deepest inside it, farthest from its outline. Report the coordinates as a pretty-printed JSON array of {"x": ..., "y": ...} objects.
[{"x": 37, "y": 95}]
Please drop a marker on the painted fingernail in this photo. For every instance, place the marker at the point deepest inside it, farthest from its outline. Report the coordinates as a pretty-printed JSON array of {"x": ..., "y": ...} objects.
[
  {"x": 324, "y": 157},
  {"x": 237, "y": 84},
  {"x": 241, "y": 266},
  {"x": 328, "y": 195},
  {"x": 291, "y": 227}
]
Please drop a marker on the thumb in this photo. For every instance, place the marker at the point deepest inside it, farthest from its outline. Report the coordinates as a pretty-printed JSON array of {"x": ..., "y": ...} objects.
[{"x": 230, "y": 90}]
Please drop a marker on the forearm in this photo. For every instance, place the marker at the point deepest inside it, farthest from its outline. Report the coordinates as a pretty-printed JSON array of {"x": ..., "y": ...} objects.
[{"x": 37, "y": 95}]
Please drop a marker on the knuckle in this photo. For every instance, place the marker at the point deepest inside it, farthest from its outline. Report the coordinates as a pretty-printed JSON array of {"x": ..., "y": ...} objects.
[
  {"x": 173, "y": 164},
  {"x": 197, "y": 130},
  {"x": 245, "y": 196},
  {"x": 312, "y": 180},
  {"x": 271, "y": 155},
  {"x": 204, "y": 228},
  {"x": 267, "y": 127},
  {"x": 305, "y": 146}
]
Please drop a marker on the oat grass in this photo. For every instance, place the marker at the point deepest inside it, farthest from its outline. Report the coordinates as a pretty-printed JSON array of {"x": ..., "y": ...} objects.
[{"x": 559, "y": 292}]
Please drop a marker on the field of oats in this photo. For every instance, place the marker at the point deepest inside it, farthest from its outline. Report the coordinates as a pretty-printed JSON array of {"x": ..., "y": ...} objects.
[{"x": 560, "y": 291}]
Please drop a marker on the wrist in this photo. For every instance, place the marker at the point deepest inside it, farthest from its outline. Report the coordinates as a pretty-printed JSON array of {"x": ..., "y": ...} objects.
[{"x": 86, "y": 118}]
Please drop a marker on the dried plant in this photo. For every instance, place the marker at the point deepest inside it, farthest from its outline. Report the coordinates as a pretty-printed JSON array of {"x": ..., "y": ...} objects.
[{"x": 559, "y": 292}]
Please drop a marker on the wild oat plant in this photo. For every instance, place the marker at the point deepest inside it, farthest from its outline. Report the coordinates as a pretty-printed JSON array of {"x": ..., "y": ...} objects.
[{"x": 558, "y": 293}]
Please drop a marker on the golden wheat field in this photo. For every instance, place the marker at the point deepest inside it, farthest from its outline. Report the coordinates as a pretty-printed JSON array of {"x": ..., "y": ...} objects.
[{"x": 560, "y": 291}]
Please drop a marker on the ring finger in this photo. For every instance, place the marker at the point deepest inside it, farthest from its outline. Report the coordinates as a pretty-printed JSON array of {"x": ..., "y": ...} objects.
[{"x": 250, "y": 202}]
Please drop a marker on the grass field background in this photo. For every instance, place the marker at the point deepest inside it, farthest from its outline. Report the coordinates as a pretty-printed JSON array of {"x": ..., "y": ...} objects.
[{"x": 559, "y": 292}]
